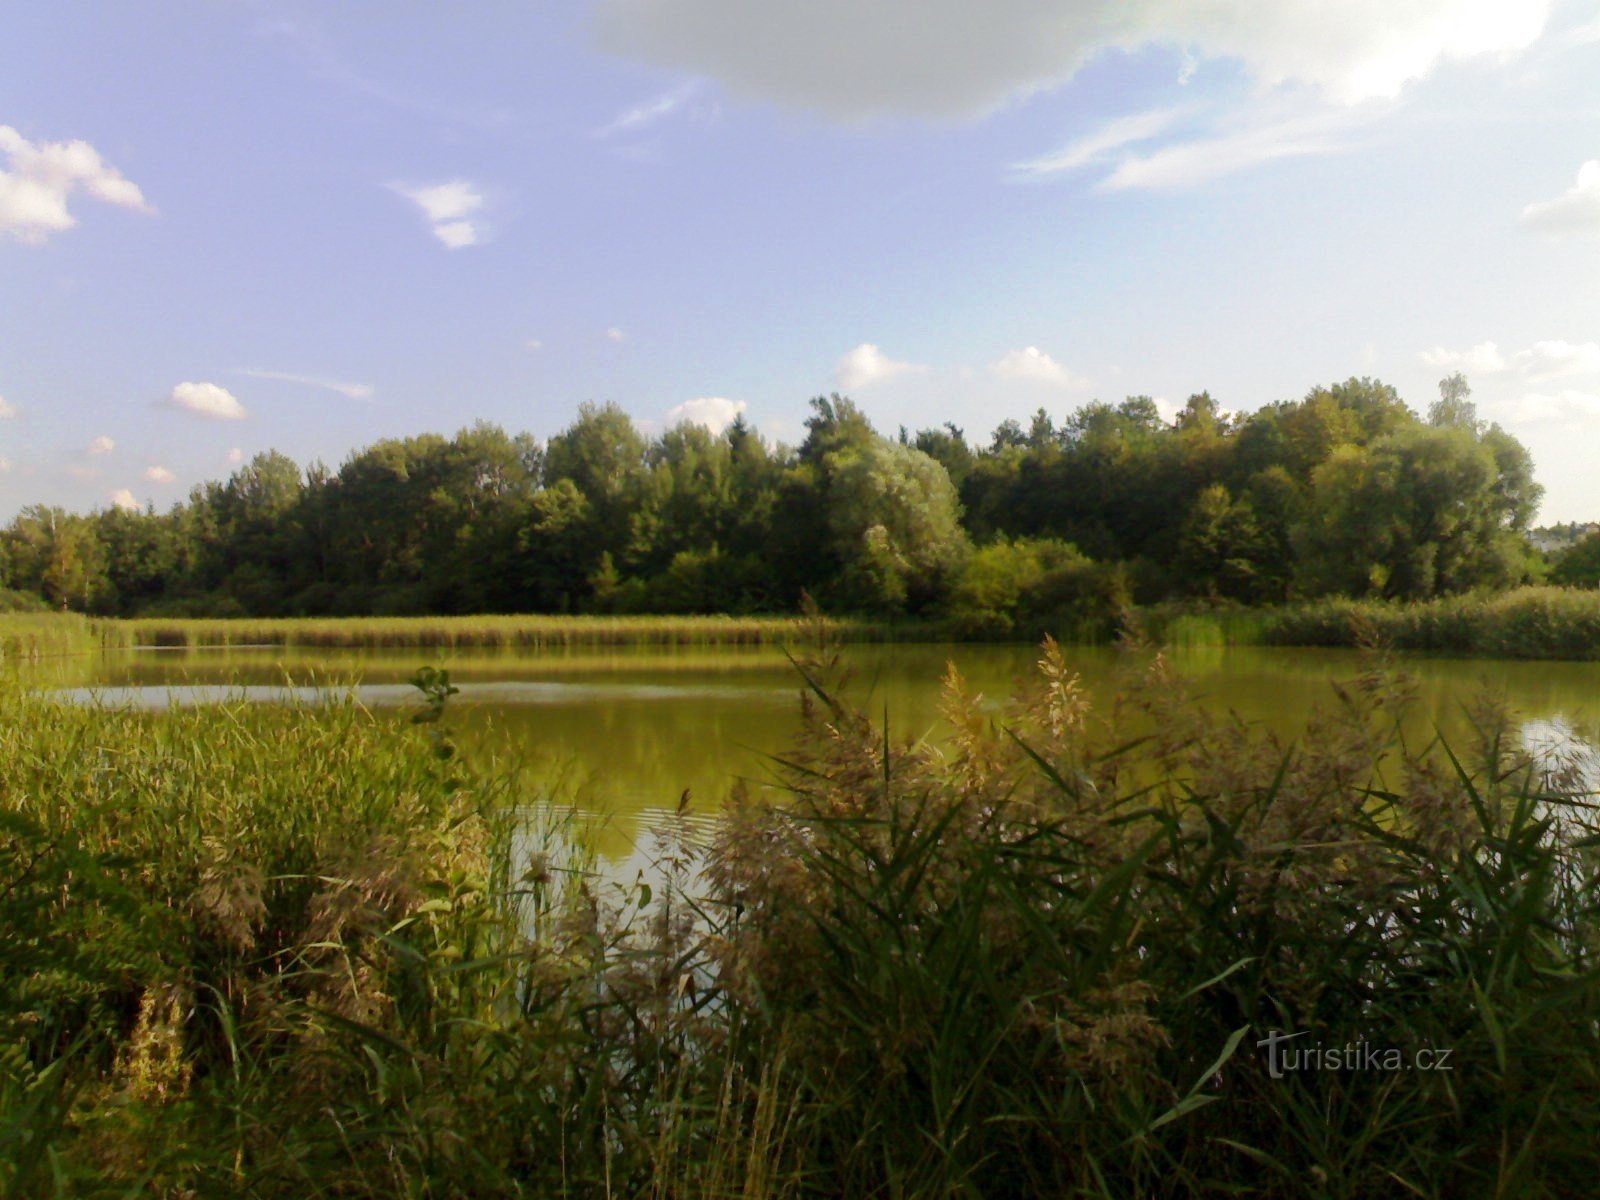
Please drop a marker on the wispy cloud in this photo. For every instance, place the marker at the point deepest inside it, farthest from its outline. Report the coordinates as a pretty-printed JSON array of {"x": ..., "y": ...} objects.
[
  {"x": 7, "y": 411},
  {"x": 1321, "y": 130},
  {"x": 39, "y": 178},
  {"x": 1098, "y": 146},
  {"x": 100, "y": 445},
  {"x": 448, "y": 207},
  {"x": 615, "y": 335},
  {"x": 353, "y": 391},
  {"x": 647, "y": 113},
  {"x": 315, "y": 49}
]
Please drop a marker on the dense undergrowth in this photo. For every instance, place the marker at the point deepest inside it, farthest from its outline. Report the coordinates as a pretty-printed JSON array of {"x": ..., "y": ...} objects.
[{"x": 310, "y": 952}]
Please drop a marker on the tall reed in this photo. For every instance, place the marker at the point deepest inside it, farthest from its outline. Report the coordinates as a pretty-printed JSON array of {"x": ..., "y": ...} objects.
[{"x": 310, "y": 951}]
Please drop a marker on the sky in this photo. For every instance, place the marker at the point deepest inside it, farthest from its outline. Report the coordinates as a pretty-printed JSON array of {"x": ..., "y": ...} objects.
[{"x": 234, "y": 225}]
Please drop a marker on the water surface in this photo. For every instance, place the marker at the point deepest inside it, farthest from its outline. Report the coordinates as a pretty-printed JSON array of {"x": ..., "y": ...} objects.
[{"x": 626, "y": 731}]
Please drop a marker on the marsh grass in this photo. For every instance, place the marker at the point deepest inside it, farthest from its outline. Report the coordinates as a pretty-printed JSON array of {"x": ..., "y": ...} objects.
[
  {"x": 311, "y": 952},
  {"x": 1533, "y": 622},
  {"x": 30, "y": 636},
  {"x": 532, "y": 632}
]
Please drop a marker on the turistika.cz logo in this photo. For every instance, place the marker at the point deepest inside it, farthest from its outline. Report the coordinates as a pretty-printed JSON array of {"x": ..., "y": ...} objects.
[{"x": 1285, "y": 1055}]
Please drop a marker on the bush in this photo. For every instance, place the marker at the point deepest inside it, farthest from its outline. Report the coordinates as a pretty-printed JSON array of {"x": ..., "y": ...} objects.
[{"x": 1025, "y": 589}]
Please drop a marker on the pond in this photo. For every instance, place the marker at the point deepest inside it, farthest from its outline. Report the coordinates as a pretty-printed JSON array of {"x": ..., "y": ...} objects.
[{"x": 624, "y": 732}]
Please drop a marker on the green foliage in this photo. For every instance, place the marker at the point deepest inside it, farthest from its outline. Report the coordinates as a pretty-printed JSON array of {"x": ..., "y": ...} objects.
[
  {"x": 1344, "y": 492},
  {"x": 1029, "y": 588},
  {"x": 1579, "y": 565}
]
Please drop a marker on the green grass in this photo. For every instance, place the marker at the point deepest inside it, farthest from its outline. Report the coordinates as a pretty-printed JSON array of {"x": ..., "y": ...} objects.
[{"x": 297, "y": 952}]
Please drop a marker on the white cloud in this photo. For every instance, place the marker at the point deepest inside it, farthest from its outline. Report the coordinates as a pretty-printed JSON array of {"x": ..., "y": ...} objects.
[
  {"x": 532, "y": 344},
  {"x": 39, "y": 178},
  {"x": 1574, "y": 213},
  {"x": 716, "y": 413},
  {"x": 1565, "y": 407},
  {"x": 7, "y": 411},
  {"x": 866, "y": 364},
  {"x": 1096, "y": 147},
  {"x": 447, "y": 207},
  {"x": 1540, "y": 362},
  {"x": 615, "y": 334},
  {"x": 1256, "y": 141},
  {"x": 122, "y": 498},
  {"x": 956, "y": 59},
  {"x": 159, "y": 475},
  {"x": 353, "y": 391},
  {"x": 235, "y": 456},
  {"x": 1483, "y": 359},
  {"x": 647, "y": 113},
  {"x": 101, "y": 445},
  {"x": 1033, "y": 365},
  {"x": 5, "y": 465},
  {"x": 207, "y": 400}
]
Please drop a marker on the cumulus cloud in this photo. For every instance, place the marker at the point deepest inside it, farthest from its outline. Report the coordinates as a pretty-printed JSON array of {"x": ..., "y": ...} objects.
[
  {"x": 716, "y": 413},
  {"x": 1574, "y": 213},
  {"x": 1032, "y": 365},
  {"x": 866, "y": 364},
  {"x": 1483, "y": 359},
  {"x": 101, "y": 445},
  {"x": 7, "y": 411},
  {"x": 159, "y": 475},
  {"x": 5, "y": 465},
  {"x": 39, "y": 178},
  {"x": 353, "y": 391},
  {"x": 448, "y": 207},
  {"x": 207, "y": 400},
  {"x": 1517, "y": 387},
  {"x": 1565, "y": 407},
  {"x": 122, "y": 498},
  {"x": 614, "y": 334},
  {"x": 954, "y": 59},
  {"x": 532, "y": 344},
  {"x": 1540, "y": 362},
  {"x": 235, "y": 456}
]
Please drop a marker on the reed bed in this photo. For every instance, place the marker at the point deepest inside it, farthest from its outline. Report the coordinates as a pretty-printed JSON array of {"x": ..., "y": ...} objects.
[
  {"x": 1532, "y": 622},
  {"x": 27, "y": 637},
  {"x": 312, "y": 952},
  {"x": 532, "y": 632}
]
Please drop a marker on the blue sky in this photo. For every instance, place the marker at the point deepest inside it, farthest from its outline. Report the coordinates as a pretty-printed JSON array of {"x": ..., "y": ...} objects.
[{"x": 226, "y": 227}]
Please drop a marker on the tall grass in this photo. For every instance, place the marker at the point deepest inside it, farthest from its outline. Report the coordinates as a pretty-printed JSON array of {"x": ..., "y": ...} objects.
[
  {"x": 1533, "y": 622},
  {"x": 490, "y": 631},
  {"x": 26, "y": 636},
  {"x": 311, "y": 952}
]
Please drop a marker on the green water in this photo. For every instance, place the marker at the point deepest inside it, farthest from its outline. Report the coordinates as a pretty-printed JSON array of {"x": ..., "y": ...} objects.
[{"x": 625, "y": 732}]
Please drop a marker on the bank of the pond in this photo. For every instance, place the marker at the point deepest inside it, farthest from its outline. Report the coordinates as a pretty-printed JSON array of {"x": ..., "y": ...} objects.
[
  {"x": 1530, "y": 623},
  {"x": 1527, "y": 623},
  {"x": 278, "y": 951}
]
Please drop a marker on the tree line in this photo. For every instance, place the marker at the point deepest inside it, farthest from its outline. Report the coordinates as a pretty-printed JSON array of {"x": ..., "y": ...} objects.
[{"x": 1344, "y": 492}]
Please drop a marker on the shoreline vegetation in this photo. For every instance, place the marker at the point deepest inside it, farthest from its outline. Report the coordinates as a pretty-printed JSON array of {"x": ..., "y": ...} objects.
[
  {"x": 1525, "y": 623},
  {"x": 286, "y": 951}
]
